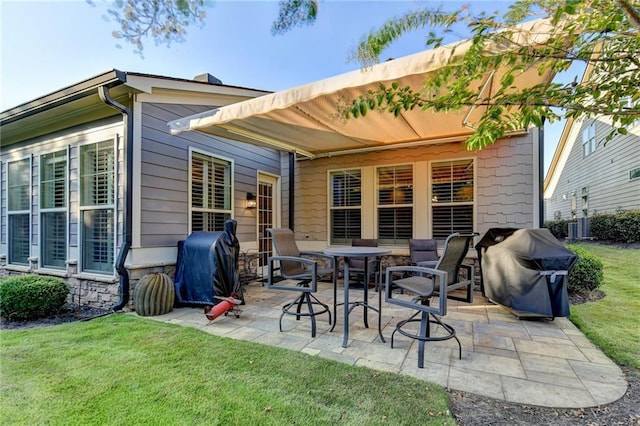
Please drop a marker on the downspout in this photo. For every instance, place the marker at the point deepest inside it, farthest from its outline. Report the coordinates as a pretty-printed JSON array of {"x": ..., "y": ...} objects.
[
  {"x": 292, "y": 198},
  {"x": 123, "y": 290},
  {"x": 541, "y": 175}
]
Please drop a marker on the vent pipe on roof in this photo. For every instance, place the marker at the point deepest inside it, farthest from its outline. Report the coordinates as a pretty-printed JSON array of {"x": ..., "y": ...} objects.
[
  {"x": 207, "y": 78},
  {"x": 127, "y": 118}
]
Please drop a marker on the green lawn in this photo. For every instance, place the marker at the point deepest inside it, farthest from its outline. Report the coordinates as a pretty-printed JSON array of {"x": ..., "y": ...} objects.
[
  {"x": 612, "y": 323},
  {"x": 123, "y": 369}
]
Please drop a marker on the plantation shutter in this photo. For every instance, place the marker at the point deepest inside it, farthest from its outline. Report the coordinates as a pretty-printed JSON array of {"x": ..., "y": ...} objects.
[
  {"x": 452, "y": 196},
  {"x": 211, "y": 191},
  {"x": 395, "y": 204},
  {"x": 346, "y": 206},
  {"x": 18, "y": 209},
  {"x": 97, "y": 195},
  {"x": 53, "y": 201}
]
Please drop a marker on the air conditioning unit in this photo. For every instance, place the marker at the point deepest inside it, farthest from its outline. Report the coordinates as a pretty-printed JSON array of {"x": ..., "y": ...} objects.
[
  {"x": 584, "y": 229},
  {"x": 572, "y": 231}
]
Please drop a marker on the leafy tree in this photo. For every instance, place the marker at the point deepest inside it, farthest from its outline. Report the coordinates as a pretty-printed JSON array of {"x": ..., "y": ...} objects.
[
  {"x": 602, "y": 34},
  {"x": 165, "y": 21},
  {"x": 294, "y": 13}
]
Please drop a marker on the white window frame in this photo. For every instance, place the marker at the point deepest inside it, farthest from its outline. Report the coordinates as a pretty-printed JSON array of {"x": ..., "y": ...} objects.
[
  {"x": 589, "y": 139},
  {"x": 378, "y": 206},
  {"x": 21, "y": 212},
  {"x": 107, "y": 207},
  {"x": 332, "y": 208},
  {"x": 45, "y": 210},
  {"x": 433, "y": 203},
  {"x": 201, "y": 153}
]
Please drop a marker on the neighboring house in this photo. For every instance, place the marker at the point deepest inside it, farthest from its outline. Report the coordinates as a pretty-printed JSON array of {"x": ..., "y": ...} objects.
[
  {"x": 99, "y": 192},
  {"x": 588, "y": 176}
]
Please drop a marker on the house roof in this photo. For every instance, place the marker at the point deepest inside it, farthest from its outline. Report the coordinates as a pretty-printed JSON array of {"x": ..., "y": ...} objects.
[
  {"x": 305, "y": 119},
  {"x": 79, "y": 102}
]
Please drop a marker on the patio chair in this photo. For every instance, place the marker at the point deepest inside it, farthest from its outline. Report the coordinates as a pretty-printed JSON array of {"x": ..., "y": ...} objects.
[
  {"x": 356, "y": 265},
  {"x": 424, "y": 283},
  {"x": 423, "y": 252},
  {"x": 299, "y": 272}
]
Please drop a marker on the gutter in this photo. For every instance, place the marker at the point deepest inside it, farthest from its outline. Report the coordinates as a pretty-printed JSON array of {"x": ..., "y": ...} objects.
[
  {"x": 103, "y": 92},
  {"x": 541, "y": 206},
  {"x": 68, "y": 94}
]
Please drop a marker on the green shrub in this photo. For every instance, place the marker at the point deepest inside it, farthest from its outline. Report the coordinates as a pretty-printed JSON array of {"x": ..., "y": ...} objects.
[
  {"x": 24, "y": 297},
  {"x": 559, "y": 228},
  {"x": 621, "y": 227},
  {"x": 587, "y": 272}
]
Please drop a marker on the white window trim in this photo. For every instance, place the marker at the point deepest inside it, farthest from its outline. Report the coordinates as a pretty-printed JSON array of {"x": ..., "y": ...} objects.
[
  {"x": 422, "y": 193},
  {"x": 430, "y": 190},
  {"x": 330, "y": 199},
  {"x": 95, "y": 140},
  {"x": 17, "y": 212},
  {"x": 193, "y": 150}
]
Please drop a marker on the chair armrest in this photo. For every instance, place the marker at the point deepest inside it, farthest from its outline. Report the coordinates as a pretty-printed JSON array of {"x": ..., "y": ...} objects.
[
  {"x": 428, "y": 263},
  {"x": 294, "y": 259},
  {"x": 439, "y": 277},
  {"x": 310, "y": 276}
]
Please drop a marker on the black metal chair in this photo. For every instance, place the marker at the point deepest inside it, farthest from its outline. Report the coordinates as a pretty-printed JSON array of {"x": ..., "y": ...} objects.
[
  {"x": 299, "y": 272},
  {"x": 423, "y": 283},
  {"x": 356, "y": 265}
]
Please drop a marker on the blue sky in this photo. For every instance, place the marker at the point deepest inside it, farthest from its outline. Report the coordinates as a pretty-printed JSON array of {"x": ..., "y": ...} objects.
[{"x": 47, "y": 45}]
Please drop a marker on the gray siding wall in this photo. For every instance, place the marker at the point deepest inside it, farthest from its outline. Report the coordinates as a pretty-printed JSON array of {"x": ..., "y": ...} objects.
[
  {"x": 504, "y": 183},
  {"x": 604, "y": 172},
  {"x": 164, "y": 176}
]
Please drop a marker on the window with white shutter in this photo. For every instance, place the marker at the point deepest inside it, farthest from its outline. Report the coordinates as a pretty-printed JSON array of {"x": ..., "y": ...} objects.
[
  {"x": 18, "y": 210},
  {"x": 452, "y": 197},
  {"x": 395, "y": 204},
  {"x": 97, "y": 207},
  {"x": 211, "y": 192},
  {"x": 53, "y": 209},
  {"x": 345, "y": 205}
]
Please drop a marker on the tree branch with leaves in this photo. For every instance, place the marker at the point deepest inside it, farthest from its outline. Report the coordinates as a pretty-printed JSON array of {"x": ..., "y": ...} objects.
[{"x": 603, "y": 35}]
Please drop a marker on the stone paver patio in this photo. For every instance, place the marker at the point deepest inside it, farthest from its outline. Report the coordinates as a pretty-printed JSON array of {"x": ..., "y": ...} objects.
[{"x": 534, "y": 362}]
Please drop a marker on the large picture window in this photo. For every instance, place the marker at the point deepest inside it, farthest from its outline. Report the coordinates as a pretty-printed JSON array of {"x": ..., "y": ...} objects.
[
  {"x": 452, "y": 196},
  {"x": 211, "y": 192},
  {"x": 97, "y": 205},
  {"x": 345, "y": 205},
  {"x": 53, "y": 213},
  {"x": 395, "y": 204},
  {"x": 19, "y": 198}
]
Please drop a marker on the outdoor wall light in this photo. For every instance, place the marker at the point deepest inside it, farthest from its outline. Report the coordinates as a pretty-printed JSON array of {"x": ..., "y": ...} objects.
[{"x": 252, "y": 203}]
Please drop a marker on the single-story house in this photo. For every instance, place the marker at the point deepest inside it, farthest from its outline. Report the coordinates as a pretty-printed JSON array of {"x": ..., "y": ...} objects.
[
  {"x": 96, "y": 190},
  {"x": 100, "y": 180}
]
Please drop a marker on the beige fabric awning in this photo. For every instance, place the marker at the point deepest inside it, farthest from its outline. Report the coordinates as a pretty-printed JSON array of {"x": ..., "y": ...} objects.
[{"x": 305, "y": 119}]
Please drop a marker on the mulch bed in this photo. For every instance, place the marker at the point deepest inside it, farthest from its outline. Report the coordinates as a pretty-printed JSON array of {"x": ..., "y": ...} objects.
[{"x": 473, "y": 410}]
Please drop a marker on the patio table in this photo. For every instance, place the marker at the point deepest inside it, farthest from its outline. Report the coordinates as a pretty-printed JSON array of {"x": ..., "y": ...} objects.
[{"x": 359, "y": 252}]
